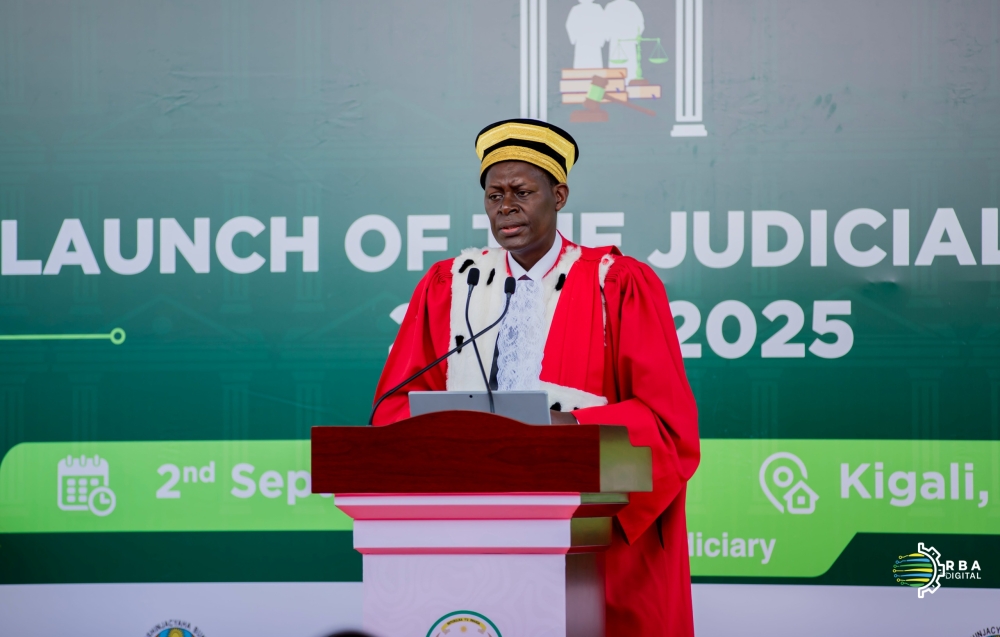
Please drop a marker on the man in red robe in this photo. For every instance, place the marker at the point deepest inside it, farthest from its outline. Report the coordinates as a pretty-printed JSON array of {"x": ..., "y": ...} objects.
[{"x": 594, "y": 330}]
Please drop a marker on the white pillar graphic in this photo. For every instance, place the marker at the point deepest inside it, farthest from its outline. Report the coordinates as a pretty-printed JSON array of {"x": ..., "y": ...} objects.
[
  {"x": 524, "y": 58},
  {"x": 688, "y": 58},
  {"x": 534, "y": 59}
]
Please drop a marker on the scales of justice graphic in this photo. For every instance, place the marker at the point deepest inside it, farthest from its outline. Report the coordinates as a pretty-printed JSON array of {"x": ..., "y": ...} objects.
[
  {"x": 612, "y": 85},
  {"x": 659, "y": 56},
  {"x": 621, "y": 82}
]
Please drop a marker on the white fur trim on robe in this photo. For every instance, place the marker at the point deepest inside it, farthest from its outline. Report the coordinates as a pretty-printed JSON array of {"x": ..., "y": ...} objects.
[
  {"x": 485, "y": 307},
  {"x": 569, "y": 398}
]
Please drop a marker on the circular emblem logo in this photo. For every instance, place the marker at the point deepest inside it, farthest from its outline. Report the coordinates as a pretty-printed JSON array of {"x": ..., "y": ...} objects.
[
  {"x": 464, "y": 623},
  {"x": 174, "y": 628}
]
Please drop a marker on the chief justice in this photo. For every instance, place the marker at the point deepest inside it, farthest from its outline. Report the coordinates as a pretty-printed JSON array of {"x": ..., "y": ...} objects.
[{"x": 590, "y": 327}]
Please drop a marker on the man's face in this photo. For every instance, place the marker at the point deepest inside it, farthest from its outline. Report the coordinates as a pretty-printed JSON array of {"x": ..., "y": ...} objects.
[{"x": 521, "y": 202}]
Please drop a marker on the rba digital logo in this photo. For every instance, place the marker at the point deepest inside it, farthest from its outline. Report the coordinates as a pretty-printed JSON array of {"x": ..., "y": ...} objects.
[
  {"x": 922, "y": 570},
  {"x": 925, "y": 569},
  {"x": 785, "y": 474}
]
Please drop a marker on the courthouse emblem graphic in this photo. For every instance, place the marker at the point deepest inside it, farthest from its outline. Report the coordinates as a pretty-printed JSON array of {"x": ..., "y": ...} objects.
[{"x": 602, "y": 84}]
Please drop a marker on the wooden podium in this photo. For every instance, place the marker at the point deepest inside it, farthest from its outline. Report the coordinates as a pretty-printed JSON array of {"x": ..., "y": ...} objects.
[{"x": 475, "y": 524}]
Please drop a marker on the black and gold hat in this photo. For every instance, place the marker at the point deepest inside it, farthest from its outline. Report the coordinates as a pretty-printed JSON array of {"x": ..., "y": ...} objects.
[{"x": 549, "y": 147}]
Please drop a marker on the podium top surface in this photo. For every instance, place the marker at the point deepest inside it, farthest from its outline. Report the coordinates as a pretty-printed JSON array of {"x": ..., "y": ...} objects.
[{"x": 475, "y": 452}]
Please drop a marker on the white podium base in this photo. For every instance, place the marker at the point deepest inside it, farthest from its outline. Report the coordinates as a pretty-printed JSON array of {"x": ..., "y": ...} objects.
[
  {"x": 688, "y": 130},
  {"x": 489, "y": 565},
  {"x": 523, "y": 595}
]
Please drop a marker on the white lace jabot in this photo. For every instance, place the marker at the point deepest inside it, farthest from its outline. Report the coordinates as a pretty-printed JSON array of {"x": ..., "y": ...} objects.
[{"x": 521, "y": 342}]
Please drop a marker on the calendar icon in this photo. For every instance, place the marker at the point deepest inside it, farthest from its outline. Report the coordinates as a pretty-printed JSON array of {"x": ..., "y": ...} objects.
[{"x": 83, "y": 485}]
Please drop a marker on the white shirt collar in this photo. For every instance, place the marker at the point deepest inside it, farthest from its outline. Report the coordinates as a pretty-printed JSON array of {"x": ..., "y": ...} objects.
[{"x": 540, "y": 268}]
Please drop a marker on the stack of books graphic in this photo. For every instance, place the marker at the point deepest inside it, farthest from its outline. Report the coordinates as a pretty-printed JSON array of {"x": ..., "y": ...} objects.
[
  {"x": 575, "y": 84},
  {"x": 644, "y": 92}
]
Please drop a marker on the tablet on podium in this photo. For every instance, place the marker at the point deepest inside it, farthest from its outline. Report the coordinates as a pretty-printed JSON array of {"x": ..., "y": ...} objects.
[{"x": 531, "y": 407}]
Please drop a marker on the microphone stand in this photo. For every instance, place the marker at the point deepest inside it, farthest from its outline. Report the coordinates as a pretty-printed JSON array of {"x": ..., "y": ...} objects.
[
  {"x": 508, "y": 288},
  {"x": 473, "y": 281}
]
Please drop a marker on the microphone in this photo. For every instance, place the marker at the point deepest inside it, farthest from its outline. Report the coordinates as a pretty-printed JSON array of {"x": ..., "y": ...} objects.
[
  {"x": 473, "y": 280},
  {"x": 508, "y": 289}
]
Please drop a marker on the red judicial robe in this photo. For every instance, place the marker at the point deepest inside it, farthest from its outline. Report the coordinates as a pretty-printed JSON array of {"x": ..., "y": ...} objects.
[{"x": 612, "y": 357}]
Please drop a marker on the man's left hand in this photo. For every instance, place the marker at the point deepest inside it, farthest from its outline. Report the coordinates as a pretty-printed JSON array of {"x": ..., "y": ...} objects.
[{"x": 563, "y": 417}]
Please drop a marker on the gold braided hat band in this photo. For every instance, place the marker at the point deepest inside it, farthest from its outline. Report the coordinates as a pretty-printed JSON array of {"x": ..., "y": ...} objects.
[
  {"x": 549, "y": 147},
  {"x": 530, "y": 155}
]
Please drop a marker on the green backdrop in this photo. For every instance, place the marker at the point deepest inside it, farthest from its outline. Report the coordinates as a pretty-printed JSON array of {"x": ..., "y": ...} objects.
[{"x": 884, "y": 116}]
